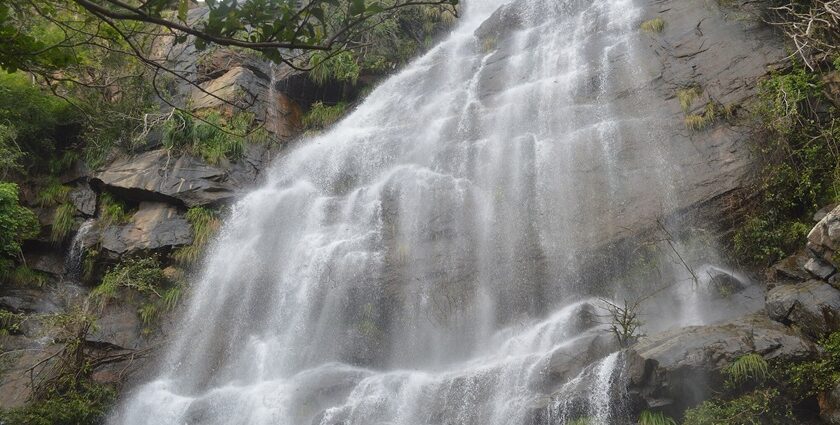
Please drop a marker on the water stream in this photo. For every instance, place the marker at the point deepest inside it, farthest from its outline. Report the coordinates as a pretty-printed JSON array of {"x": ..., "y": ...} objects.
[{"x": 422, "y": 262}]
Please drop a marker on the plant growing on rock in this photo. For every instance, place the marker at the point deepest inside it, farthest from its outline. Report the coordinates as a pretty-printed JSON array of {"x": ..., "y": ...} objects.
[
  {"x": 205, "y": 224},
  {"x": 112, "y": 212},
  {"x": 624, "y": 321},
  {"x": 321, "y": 116},
  {"x": 648, "y": 417},
  {"x": 655, "y": 25}
]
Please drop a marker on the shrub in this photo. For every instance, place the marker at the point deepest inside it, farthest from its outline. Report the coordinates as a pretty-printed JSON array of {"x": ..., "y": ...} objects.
[
  {"x": 813, "y": 377},
  {"x": 764, "y": 406},
  {"x": 18, "y": 223},
  {"x": 328, "y": 66},
  {"x": 84, "y": 404},
  {"x": 10, "y": 322},
  {"x": 213, "y": 137}
]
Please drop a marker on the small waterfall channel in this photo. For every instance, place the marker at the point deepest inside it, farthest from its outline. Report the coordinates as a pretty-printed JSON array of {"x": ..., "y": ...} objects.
[{"x": 75, "y": 255}]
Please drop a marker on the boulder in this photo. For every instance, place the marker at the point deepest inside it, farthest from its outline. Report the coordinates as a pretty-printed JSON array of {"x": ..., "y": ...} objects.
[
  {"x": 84, "y": 199},
  {"x": 824, "y": 238},
  {"x": 680, "y": 367},
  {"x": 158, "y": 176},
  {"x": 569, "y": 359},
  {"x": 812, "y": 306},
  {"x": 791, "y": 268},
  {"x": 47, "y": 261},
  {"x": 118, "y": 325},
  {"x": 154, "y": 226}
]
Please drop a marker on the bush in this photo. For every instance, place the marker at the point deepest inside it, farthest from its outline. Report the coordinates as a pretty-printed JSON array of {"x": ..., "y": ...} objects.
[
  {"x": 85, "y": 404},
  {"x": 648, "y": 417},
  {"x": 763, "y": 406},
  {"x": 213, "y": 137},
  {"x": 18, "y": 223},
  {"x": 813, "y": 377},
  {"x": 801, "y": 167}
]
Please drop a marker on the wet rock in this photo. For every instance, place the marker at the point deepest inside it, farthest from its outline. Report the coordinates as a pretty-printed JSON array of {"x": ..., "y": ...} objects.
[
  {"x": 154, "y": 226},
  {"x": 791, "y": 268},
  {"x": 678, "y": 368},
  {"x": 569, "y": 359},
  {"x": 158, "y": 176},
  {"x": 812, "y": 306},
  {"x": 84, "y": 199},
  {"x": 819, "y": 268},
  {"x": 824, "y": 238},
  {"x": 118, "y": 325},
  {"x": 47, "y": 261}
]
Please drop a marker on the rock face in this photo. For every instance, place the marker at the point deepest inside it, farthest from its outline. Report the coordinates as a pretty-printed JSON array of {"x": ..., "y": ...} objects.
[
  {"x": 824, "y": 240},
  {"x": 703, "y": 45},
  {"x": 812, "y": 306},
  {"x": 678, "y": 368},
  {"x": 84, "y": 199},
  {"x": 154, "y": 226},
  {"x": 157, "y": 175}
]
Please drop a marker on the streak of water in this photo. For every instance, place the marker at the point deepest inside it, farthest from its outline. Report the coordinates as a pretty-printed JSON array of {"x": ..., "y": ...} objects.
[{"x": 415, "y": 264}]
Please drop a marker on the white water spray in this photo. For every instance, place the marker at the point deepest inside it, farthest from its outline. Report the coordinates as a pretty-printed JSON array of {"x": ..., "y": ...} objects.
[{"x": 421, "y": 262}]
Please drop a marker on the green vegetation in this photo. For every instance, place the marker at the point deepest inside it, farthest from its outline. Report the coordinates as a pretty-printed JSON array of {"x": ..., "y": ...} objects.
[
  {"x": 686, "y": 97},
  {"x": 801, "y": 171},
  {"x": 655, "y": 25},
  {"x": 85, "y": 404},
  {"x": 18, "y": 223},
  {"x": 763, "y": 406},
  {"x": 813, "y": 377},
  {"x": 648, "y": 417},
  {"x": 205, "y": 223},
  {"x": 63, "y": 221},
  {"x": 112, "y": 211},
  {"x": 23, "y": 276},
  {"x": 321, "y": 116},
  {"x": 749, "y": 367},
  {"x": 327, "y": 66},
  {"x": 145, "y": 278},
  {"x": 10, "y": 322},
  {"x": 211, "y": 135}
]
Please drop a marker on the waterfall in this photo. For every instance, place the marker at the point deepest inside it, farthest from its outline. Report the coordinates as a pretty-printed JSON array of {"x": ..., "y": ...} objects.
[
  {"x": 76, "y": 253},
  {"x": 424, "y": 261}
]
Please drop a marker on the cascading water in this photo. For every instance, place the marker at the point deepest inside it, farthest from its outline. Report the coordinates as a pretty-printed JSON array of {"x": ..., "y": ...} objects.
[
  {"x": 75, "y": 255},
  {"x": 416, "y": 264}
]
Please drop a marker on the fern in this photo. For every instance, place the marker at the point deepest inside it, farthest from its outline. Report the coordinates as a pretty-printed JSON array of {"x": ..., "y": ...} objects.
[
  {"x": 655, "y": 418},
  {"x": 749, "y": 367}
]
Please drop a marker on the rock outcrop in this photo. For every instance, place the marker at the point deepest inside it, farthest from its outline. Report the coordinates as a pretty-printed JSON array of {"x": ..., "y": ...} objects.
[
  {"x": 154, "y": 226},
  {"x": 812, "y": 306},
  {"x": 182, "y": 179},
  {"x": 679, "y": 368}
]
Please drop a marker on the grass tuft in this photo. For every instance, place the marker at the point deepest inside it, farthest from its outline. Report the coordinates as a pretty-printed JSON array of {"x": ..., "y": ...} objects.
[
  {"x": 63, "y": 220},
  {"x": 655, "y": 25},
  {"x": 686, "y": 97}
]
